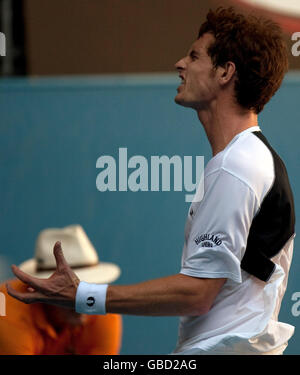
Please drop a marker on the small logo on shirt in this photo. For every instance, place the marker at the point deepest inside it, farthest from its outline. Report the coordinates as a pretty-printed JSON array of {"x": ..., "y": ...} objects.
[
  {"x": 208, "y": 240},
  {"x": 90, "y": 301}
]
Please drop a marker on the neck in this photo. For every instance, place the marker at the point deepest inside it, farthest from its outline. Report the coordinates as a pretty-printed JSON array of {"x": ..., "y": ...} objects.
[{"x": 223, "y": 123}]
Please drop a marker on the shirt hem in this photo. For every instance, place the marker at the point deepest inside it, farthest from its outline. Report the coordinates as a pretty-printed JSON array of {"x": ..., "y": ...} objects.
[{"x": 212, "y": 275}]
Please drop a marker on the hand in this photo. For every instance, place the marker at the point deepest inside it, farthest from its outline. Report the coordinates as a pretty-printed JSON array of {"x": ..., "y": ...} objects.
[{"x": 59, "y": 289}]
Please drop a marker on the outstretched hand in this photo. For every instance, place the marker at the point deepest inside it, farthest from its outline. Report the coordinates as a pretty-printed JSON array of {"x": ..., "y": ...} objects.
[{"x": 59, "y": 289}]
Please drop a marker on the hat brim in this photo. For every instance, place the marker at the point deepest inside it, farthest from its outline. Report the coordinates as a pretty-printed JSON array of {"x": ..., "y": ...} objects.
[{"x": 102, "y": 273}]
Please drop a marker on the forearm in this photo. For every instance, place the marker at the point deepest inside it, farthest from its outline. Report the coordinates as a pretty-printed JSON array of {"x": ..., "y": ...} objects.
[{"x": 173, "y": 295}]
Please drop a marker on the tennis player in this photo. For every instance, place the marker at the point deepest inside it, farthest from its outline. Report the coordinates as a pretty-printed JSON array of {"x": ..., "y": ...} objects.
[{"x": 239, "y": 239}]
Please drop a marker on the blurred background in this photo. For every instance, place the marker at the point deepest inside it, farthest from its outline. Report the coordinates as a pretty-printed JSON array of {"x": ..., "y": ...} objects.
[
  {"x": 76, "y": 37},
  {"x": 82, "y": 78}
]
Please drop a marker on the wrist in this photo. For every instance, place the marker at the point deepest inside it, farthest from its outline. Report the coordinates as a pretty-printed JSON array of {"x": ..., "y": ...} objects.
[{"x": 91, "y": 298}]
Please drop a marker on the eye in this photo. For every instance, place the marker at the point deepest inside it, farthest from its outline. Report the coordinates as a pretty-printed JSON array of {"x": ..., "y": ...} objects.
[{"x": 193, "y": 56}]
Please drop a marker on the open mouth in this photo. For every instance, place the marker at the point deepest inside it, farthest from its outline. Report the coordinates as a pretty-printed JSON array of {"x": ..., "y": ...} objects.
[{"x": 181, "y": 84}]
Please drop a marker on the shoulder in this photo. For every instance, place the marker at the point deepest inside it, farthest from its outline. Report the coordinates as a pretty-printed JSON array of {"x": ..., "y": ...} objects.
[{"x": 249, "y": 160}]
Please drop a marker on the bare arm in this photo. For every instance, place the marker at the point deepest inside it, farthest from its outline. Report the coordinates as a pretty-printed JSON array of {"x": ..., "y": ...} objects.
[{"x": 172, "y": 295}]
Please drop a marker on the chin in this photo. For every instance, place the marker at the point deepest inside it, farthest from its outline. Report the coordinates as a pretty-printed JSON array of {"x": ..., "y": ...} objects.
[
  {"x": 184, "y": 103},
  {"x": 179, "y": 100}
]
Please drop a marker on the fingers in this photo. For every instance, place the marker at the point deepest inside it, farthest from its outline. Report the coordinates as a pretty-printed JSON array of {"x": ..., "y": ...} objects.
[
  {"x": 59, "y": 256},
  {"x": 23, "y": 297},
  {"x": 27, "y": 279}
]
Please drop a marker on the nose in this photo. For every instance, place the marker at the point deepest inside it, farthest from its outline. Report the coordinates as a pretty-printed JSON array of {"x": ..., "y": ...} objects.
[{"x": 180, "y": 65}]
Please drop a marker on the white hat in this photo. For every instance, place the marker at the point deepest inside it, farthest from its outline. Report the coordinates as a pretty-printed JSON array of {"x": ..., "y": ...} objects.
[{"x": 78, "y": 251}]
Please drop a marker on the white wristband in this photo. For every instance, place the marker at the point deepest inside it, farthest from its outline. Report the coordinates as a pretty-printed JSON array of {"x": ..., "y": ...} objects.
[{"x": 91, "y": 298}]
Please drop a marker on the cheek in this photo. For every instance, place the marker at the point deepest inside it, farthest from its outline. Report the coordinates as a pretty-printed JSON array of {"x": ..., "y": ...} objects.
[{"x": 198, "y": 85}]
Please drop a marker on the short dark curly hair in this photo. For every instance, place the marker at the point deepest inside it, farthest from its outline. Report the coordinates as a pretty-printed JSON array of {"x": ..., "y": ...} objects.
[{"x": 256, "y": 46}]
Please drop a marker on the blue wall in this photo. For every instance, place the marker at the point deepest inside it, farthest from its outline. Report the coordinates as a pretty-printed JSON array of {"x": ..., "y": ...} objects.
[{"x": 53, "y": 130}]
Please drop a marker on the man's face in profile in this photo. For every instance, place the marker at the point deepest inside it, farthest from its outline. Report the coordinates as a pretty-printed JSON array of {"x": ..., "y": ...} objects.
[{"x": 199, "y": 80}]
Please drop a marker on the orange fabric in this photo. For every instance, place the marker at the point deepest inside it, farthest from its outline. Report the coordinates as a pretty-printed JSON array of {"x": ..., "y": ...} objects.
[{"x": 26, "y": 330}]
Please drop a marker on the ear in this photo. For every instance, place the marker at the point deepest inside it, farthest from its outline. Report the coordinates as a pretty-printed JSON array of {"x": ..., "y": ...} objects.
[{"x": 227, "y": 72}]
